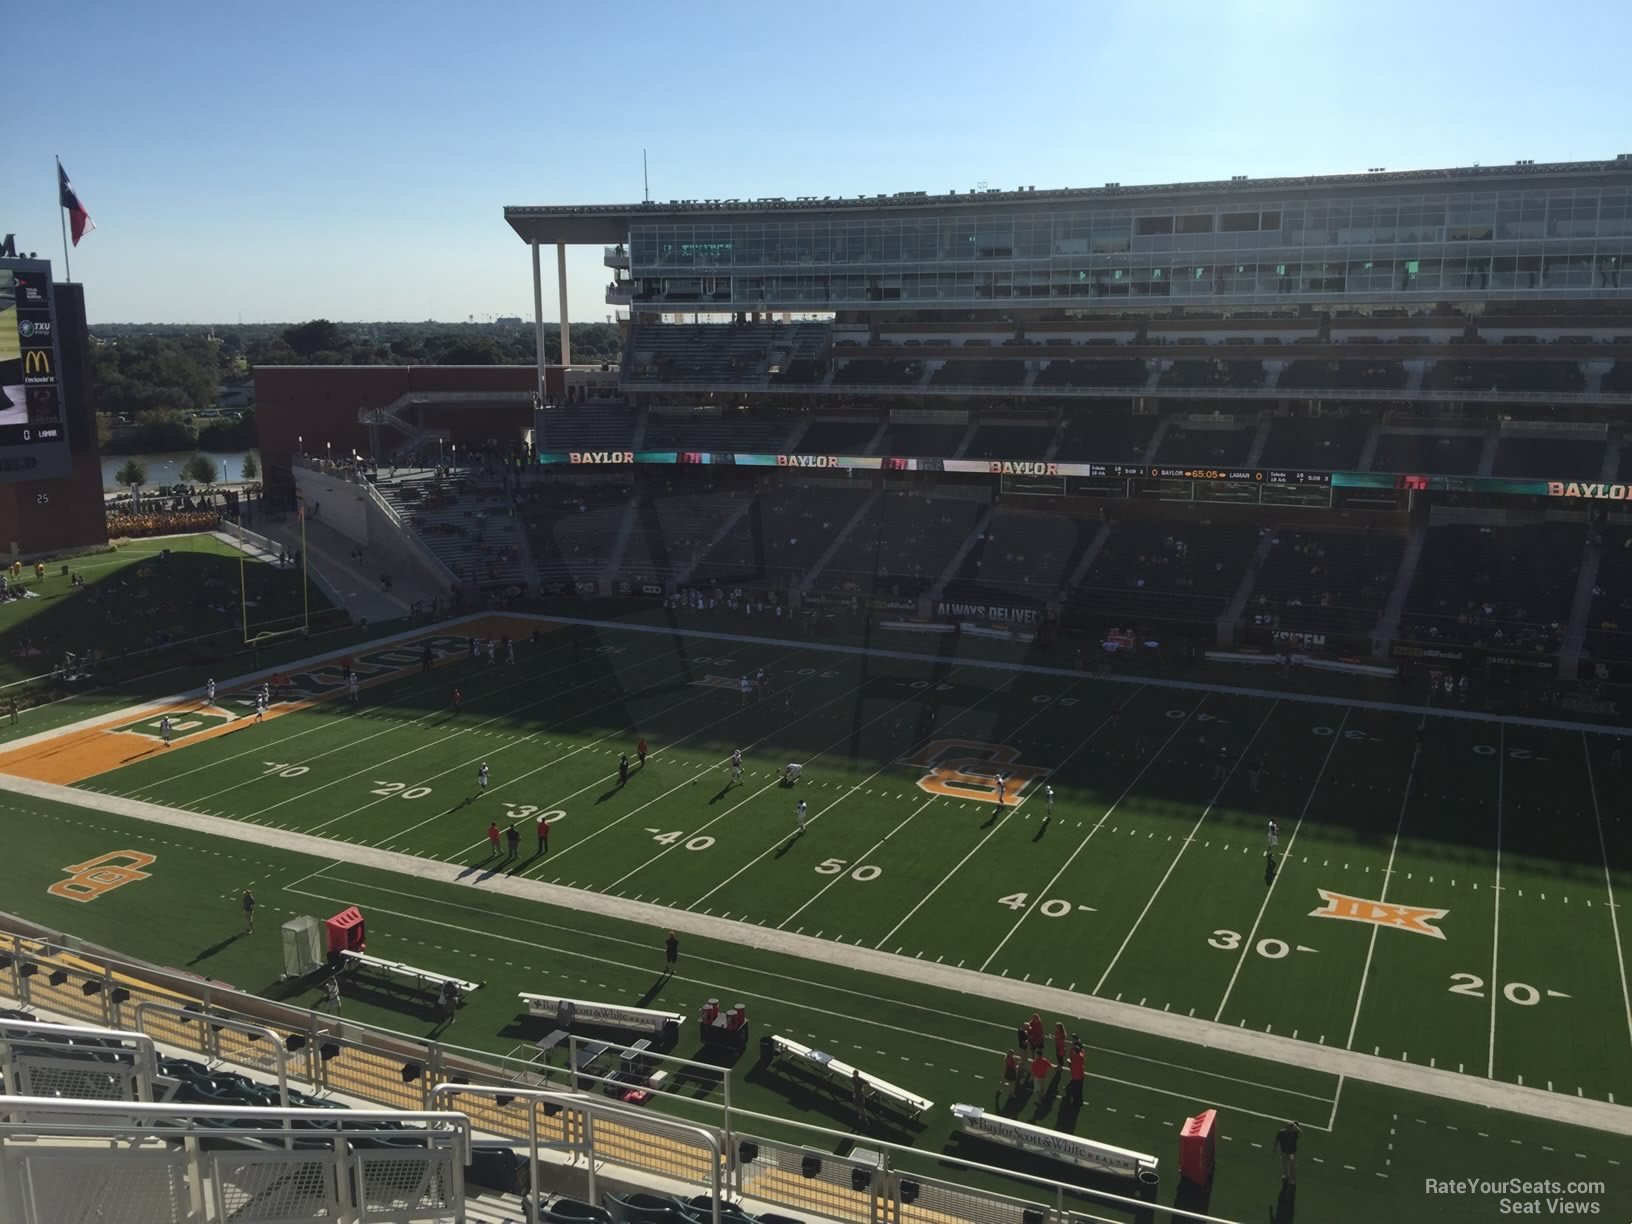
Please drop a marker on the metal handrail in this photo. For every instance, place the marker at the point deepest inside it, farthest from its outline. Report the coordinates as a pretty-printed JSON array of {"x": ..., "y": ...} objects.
[
  {"x": 591, "y": 1107},
  {"x": 259, "y": 1032}
]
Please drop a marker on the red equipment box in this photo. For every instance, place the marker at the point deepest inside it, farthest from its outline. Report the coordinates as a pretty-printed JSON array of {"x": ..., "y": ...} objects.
[
  {"x": 345, "y": 931},
  {"x": 1198, "y": 1138}
]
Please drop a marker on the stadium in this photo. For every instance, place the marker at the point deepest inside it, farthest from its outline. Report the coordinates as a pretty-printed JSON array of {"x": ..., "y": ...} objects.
[{"x": 1020, "y": 707}]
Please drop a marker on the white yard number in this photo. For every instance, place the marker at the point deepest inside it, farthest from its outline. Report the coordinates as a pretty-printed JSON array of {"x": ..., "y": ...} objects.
[
  {"x": 177, "y": 724},
  {"x": 1472, "y": 985},
  {"x": 524, "y": 811},
  {"x": 1045, "y": 699},
  {"x": 695, "y": 843},
  {"x": 834, "y": 866},
  {"x": 1054, "y": 907},
  {"x": 283, "y": 771},
  {"x": 1269, "y": 949},
  {"x": 400, "y": 790},
  {"x": 1350, "y": 734}
]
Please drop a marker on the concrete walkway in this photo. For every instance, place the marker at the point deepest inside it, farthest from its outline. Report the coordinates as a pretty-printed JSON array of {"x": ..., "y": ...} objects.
[{"x": 1406, "y": 1077}]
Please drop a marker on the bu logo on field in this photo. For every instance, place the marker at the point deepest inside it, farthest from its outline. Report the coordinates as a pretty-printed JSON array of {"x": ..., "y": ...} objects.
[
  {"x": 89, "y": 880},
  {"x": 968, "y": 769},
  {"x": 1418, "y": 919}
]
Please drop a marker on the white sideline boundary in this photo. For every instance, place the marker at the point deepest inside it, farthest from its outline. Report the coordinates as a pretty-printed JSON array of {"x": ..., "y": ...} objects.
[
  {"x": 456, "y": 626},
  {"x": 1405, "y": 1077}
]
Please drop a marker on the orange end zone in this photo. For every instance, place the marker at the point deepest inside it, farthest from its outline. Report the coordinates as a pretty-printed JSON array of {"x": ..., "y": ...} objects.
[{"x": 79, "y": 753}]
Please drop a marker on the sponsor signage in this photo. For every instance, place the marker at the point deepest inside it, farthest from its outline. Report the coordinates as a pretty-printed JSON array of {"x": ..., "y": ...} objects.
[
  {"x": 1062, "y": 1146},
  {"x": 32, "y": 441},
  {"x": 996, "y": 613},
  {"x": 569, "y": 1011}
]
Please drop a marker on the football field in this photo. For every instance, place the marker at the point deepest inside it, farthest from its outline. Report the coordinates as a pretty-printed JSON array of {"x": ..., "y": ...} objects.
[
  {"x": 1442, "y": 892},
  {"x": 1441, "y": 897}
]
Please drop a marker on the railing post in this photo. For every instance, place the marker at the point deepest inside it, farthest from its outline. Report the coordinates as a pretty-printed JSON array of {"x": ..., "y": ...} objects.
[
  {"x": 435, "y": 1077},
  {"x": 589, "y": 1153},
  {"x": 533, "y": 1194},
  {"x": 110, "y": 1010},
  {"x": 195, "y": 1178}
]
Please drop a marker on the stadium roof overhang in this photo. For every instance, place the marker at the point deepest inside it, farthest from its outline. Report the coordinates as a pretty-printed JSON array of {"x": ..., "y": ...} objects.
[{"x": 575, "y": 224}]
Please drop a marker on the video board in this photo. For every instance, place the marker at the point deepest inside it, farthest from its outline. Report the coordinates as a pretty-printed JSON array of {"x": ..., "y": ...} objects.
[{"x": 33, "y": 433}]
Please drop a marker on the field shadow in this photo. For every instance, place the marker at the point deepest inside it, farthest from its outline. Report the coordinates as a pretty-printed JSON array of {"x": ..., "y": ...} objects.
[{"x": 219, "y": 946}]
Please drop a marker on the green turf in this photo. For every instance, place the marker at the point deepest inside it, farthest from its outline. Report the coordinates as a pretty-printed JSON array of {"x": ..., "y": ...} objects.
[
  {"x": 1149, "y": 884},
  {"x": 1365, "y": 1153},
  {"x": 133, "y": 598}
]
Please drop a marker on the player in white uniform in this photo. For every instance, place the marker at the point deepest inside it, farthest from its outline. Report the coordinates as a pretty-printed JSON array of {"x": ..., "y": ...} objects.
[
  {"x": 1002, "y": 785},
  {"x": 791, "y": 772},
  {"x": 490, "y": 650},
  {"x": 260, "y": 705},
  {"x": 799, "y": 815},
  {"x": 1048, "y": 800},
  {"x": 164, "y": 729},
  {"x": 736, "y": 765},
  {"x": 353, "y": 685},
  {"x": 209, "y": 690},
  {"x": 481, "y": 776},
  {"x": 1274, "y": 838},
  {"x": 746, "y": 688}
]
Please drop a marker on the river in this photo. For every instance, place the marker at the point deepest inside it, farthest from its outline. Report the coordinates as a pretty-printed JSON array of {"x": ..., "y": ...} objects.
[{"x": 166, "y": 469}]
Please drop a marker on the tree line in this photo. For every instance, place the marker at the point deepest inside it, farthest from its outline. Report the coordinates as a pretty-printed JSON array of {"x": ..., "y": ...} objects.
[{"x": 150, "y": 382}]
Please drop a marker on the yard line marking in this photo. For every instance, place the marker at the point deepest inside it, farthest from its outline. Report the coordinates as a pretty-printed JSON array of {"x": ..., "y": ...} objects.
[
  {"x": 1108, "y": 720},
  {"x": 1609, "y": 886},
  {"x": 1162, "y": 883},
  {"x": 463, "y": 730},
  {"x": 398, "y": 834},
  {"x": 369, "y": 714},
  {"x": 843, "y": 739},
  {"x": 1269, "y": 892},
  {"x": 1496, "y": 927},
  {"x": 822, "y": 891},
  {"x": 1388, "y": 876},
  {"x": 781, "y": 841}
]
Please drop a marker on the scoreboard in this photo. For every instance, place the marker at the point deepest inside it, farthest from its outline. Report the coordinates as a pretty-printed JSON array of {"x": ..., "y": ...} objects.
[{"x": 33, "y": 431}]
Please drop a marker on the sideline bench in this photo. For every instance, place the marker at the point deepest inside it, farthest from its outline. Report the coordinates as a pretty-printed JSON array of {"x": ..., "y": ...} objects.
[
  {"x": 420, "y": 979},
  {"x": 1071, "y": 1149},
  {"x": 567, "y": 1012},
  {"x": 841, "y": 1072}
]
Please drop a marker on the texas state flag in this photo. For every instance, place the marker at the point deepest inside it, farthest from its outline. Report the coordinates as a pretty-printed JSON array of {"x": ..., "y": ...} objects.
[{"x": 79, "y": 221}]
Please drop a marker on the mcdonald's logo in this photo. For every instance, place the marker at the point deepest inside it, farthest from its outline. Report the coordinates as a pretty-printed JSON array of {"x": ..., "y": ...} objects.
[
  {"x": 91, "y": 879},
  {"x": 37, "y": 363}
]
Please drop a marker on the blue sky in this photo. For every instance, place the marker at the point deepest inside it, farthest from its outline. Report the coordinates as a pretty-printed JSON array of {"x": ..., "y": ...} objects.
[{"x": 351, "y": 159}]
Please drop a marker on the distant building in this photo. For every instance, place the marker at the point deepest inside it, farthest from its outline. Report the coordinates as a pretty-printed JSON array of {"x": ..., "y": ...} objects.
[{"x": 508, "y": 320}]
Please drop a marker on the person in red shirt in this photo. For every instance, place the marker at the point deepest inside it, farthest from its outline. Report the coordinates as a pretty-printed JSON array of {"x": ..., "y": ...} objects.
[
  {"x": 543, "y": 836},
  {"x": 1011, "y": 1076},
  {"x": 457, "y": 698},
  {"x": 1034, "y": 1034},
  {"x": 640, "y": 750},
  {"x": 1074, "y": 1093},
  {"x": 1059, "y": 1044},
  {"x": 1040, "y": 1067},
  {"x": 493, "y": 836}
]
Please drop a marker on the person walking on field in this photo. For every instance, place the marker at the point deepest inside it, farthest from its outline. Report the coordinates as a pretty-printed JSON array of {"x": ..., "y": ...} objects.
[
  {"x": 164, "y": 729},
  {"x": 481, "y": 777},
  {"x": 248, "y": 902},
  {"x": 623, "y": 768},
  {"x": 543, "y": 835},
  {"x": 671, "y": 952},
  {"x": 1286, "y": 1143},
  {"x": 640, "y": 751},
  {"x": 513, "y": 836},
  {"x": 458, "y": 700},
  {"x": 1077, "y": 1065},
  {"x": 493, "y": 836}
]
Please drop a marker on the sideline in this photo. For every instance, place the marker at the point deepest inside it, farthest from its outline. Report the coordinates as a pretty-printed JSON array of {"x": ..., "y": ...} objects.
[
  {"x": 1070, "y": 673},
  {"x": 1405, "y": 1077}
]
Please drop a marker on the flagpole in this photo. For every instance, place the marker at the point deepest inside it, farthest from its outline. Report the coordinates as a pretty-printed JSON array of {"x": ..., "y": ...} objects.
[{"x": 62, "y": 216}]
